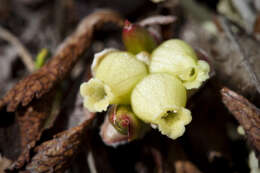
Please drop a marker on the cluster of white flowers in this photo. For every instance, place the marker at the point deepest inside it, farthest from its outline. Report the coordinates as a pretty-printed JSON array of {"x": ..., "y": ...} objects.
[{"x": 156, "y": 89}]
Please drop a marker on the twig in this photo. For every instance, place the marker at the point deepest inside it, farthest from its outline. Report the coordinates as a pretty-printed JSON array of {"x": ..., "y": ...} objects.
[
  {"x": 22, "y": 51},
  {"x": 91, "y": 162},
  {"x": 158, "y": 20}
]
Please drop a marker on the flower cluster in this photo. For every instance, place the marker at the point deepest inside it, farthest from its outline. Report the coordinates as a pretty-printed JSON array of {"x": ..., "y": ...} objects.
[{"x": 148, "y": 86}]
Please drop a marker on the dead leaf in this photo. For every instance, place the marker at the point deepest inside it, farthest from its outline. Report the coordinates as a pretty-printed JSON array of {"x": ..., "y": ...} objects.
[
  {"x": 42, "y": 81},
  {"x": 56, "y": 154},
  {"x": 31, "y": 120},
  {"x": 247, "y": 114}
]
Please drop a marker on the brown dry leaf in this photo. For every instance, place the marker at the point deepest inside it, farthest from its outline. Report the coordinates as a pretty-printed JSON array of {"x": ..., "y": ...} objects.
[
  {"x": 43, "y": 80},
  {"x": 246, "y": 113},
  {"x": 56, "y": 154},
  {"x": 31, "y": 120},
  {"x": 38, "y": 116}
]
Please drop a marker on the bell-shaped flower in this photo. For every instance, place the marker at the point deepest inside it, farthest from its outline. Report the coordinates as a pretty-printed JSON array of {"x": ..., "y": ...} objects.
[
  {"x": 159, "y": 99},
  {"x": 115, "y": 76},
  {"x": 179, "y": 59}
]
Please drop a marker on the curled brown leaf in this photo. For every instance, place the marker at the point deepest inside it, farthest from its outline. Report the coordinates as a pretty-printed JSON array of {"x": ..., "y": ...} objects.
[
  {"x": 56, "y": 154},
  {"x": 43, "y": 80},
  {"x": 31, "y": 120},
  {"x": 247, "y": 114}
]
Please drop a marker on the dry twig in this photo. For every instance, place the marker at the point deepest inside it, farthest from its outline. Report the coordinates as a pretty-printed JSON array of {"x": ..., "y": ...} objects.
[
  {"x": 22, "y": 51},
  {"x": 158, "y": 20}
]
